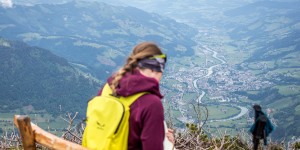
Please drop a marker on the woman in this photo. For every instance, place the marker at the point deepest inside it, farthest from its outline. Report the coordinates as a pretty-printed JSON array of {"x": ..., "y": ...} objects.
[{"x": 142, "y": 72}]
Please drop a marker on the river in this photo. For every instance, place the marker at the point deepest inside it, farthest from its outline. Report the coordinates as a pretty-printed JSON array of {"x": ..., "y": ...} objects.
[{"x": 243, "y": 111}]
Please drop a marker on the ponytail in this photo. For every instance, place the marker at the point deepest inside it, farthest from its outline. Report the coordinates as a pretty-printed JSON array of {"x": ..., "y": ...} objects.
[
  {"x": 128, "y": 67},
  {"x": 140, "y": 51}
]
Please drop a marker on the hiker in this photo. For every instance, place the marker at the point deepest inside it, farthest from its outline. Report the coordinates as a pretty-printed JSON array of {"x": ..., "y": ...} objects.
[
  {"x": 261, "y": 128},
  {"x": 142, "y": 72}
]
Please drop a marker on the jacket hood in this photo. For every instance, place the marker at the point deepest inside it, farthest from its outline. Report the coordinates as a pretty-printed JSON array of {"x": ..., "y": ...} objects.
[{"x": 132, "y": 83}]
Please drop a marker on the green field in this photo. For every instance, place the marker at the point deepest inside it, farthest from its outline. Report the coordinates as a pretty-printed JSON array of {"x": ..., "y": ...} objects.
[
  {"x": 288, "y": 90},
  {"x": 222, "y": 111},
  {"x": 282, "y": 103},
  {"x": 45, "y": 121},
  {"x": 230, "y": 127},
  {"x": 297, "y": 110}
]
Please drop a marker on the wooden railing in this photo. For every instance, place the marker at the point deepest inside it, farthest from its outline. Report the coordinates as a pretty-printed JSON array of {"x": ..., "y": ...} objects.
[{"x": 32, "y": 134}]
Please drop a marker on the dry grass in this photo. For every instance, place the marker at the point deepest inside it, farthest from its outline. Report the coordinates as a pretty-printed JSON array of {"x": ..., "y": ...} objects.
[{"x": 193, "y": 137}]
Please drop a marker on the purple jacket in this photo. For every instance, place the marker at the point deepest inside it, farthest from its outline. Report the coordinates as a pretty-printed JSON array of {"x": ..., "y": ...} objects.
[{"x": 146, "y": 128}]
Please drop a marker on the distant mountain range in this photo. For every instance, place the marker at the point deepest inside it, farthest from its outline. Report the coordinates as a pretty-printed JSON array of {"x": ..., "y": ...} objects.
[
  {"x": 32, "y": 76},
  {"x": 271, "y": 26},
  {"x": 94, "y": 34}
]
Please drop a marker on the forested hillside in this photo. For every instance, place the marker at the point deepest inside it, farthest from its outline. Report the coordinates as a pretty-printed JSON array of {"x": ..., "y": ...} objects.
[{"x": 32, "y": 76}]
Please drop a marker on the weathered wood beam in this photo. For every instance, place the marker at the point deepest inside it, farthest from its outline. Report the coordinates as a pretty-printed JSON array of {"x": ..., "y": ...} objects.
[
  {"x": 49, "y": 140},
  {"x": 24, "y": 125}
]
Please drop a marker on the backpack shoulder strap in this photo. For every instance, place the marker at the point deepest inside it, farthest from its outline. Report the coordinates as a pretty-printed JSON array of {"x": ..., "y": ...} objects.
[
  {"x": 106, "y": 91},
  {"x": 127, "y": 101}
]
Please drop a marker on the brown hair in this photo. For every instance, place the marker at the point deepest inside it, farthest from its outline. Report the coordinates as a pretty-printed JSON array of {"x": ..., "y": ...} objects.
[{"x": 140, "y": 51}]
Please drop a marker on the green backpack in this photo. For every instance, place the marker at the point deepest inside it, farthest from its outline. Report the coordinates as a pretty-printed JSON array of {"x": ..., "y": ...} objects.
[{"x": 107, "y": 125}]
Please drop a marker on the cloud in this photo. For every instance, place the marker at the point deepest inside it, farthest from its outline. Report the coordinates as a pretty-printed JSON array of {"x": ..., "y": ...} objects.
[{"x": 6, "y": 3}]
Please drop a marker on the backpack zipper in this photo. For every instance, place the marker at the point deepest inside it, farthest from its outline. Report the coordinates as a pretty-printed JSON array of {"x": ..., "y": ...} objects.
[{"x": 121, "y": 118}]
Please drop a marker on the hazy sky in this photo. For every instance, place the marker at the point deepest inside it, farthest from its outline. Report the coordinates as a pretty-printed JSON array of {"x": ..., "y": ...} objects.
[{"x": 6, "y": 3}]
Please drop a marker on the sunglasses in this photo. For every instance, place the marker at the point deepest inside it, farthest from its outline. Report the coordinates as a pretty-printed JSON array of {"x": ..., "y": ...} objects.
[{"x": 160, "y": 58}]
